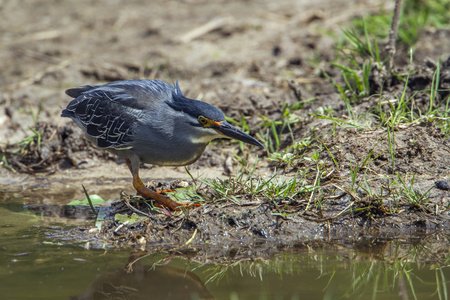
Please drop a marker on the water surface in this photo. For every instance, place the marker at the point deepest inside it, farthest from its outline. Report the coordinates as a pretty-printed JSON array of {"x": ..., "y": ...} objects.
[{"x": 34, "y": 267}]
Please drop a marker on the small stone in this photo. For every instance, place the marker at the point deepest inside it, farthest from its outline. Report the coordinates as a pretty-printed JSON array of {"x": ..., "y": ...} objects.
[
  {"x": 183, "y": 184},
  {"x": 442, "y": 185},
  {"x": 141, "y": 240},
  {"x": 93, "y": 230}
]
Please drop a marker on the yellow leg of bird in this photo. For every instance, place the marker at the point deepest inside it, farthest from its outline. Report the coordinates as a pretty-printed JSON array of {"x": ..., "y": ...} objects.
[{"x": 148, "y": 193}]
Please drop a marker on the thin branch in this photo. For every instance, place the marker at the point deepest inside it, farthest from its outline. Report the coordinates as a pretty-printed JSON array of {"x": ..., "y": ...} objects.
[{"x": 393, "y": 32}]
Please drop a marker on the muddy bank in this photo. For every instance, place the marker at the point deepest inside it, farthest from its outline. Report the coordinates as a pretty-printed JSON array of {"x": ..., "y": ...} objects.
[{"x": 252, "y": 224}]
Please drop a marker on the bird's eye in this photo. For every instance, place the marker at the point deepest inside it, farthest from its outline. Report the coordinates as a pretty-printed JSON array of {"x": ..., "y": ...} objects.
[{"x": 202, "y": 120}]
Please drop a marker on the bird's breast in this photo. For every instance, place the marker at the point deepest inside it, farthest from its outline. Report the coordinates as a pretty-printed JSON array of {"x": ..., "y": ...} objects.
[
  {"x": 170, "y": 154},
  {"x": 167, "y": 140}
]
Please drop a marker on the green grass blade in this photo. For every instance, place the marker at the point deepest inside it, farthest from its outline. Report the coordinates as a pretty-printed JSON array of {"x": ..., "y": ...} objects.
[{"x": 89, "y": 200}]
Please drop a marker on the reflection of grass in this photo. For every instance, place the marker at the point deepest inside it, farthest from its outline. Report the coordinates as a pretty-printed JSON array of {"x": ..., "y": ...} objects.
[
  {"x": 397, "y": 272},
  {"x": 386, "y": 269},
  {"x": 282, "y": 264}
]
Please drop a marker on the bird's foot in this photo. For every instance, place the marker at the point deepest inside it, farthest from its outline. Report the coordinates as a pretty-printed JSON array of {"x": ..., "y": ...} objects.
[
  {"x": 182, "y": 205},
  {"x": 160, "y": 199},
  {"x": 165, "y": 191},
  {"x": 187, "y": 205},
  {"x": 164, "y": 201}
]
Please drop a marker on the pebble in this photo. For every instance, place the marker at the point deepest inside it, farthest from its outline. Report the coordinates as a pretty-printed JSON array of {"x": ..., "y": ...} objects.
[
  {"x": 93, "y": 230},
  {"x": 442, "y": 185},
  {"x": 183, "y": 184}
]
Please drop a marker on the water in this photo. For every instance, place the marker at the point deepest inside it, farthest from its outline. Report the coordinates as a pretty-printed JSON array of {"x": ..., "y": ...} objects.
[{"x": 32, "y": 267}]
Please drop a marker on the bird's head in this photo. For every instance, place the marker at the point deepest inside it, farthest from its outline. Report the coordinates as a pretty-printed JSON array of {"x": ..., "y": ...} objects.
[
  {"x": 205, "y": 122},
  {"x": 220, "y": 128}
]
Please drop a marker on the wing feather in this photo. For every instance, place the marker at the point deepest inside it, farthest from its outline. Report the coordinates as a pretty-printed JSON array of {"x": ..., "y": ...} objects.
[
  {"x": 105, "y": 116},
  {"x": 109, "y": 112}
]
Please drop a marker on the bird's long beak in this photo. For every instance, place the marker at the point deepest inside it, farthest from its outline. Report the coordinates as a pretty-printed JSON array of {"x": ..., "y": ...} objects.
[{"x": 232, "y": 132}]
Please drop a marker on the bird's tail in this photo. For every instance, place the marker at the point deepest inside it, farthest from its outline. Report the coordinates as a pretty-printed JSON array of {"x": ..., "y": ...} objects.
[{"x": 67, "y": 113}]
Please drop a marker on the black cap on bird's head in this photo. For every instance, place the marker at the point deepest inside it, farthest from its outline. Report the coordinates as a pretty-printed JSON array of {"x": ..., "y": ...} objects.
[{"x": 210, "y": 117}]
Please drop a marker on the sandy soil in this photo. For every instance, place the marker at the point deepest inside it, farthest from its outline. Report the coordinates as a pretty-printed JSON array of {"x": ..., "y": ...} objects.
[{"x": 245, "y": 57}]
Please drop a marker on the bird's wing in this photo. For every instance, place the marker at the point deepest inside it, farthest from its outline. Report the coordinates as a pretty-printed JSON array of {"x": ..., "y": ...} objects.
[{"x": 107, "y": 113}]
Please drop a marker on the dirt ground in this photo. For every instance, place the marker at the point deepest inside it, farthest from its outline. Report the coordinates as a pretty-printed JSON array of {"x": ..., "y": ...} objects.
[{"x": 245, "y": 57}]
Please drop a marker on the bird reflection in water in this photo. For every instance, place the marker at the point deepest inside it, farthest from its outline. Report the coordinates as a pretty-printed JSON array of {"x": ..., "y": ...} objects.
[{"x": 137, "y": 281}]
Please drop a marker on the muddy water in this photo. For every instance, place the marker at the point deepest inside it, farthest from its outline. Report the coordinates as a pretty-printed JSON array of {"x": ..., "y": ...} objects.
[{"x": 32, "y": 266}]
